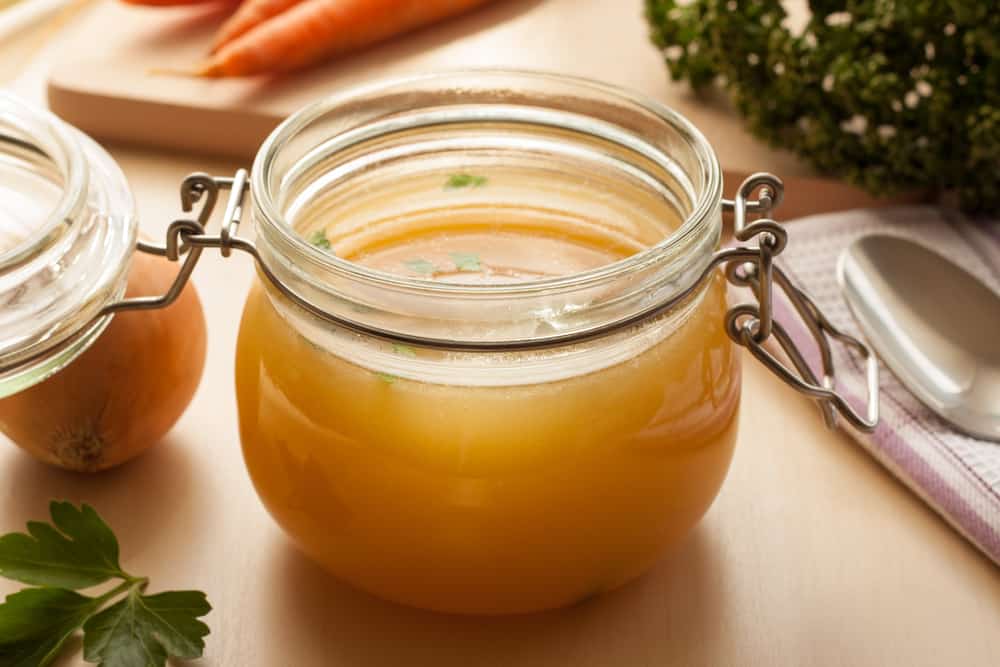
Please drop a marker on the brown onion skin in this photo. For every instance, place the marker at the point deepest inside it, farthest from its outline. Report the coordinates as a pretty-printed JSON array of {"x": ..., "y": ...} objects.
[{"x": 125, "y": 391}]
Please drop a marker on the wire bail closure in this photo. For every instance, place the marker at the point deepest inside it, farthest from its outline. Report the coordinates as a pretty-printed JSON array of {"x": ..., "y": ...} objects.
[
  {"x": 748, "y": 325},
  {"x": 752, "y": 325}
]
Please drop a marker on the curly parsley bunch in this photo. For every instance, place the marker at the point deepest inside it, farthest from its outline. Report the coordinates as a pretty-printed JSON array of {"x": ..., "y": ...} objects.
[{"x": 891, "y": 95}]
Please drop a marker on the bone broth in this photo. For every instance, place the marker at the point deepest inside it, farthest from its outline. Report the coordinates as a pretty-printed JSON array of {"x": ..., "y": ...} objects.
[{"x": 493, "y": 482}]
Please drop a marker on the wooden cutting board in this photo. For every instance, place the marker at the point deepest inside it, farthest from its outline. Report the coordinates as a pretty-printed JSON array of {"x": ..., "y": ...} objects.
[{"x": 105, "y": 79}]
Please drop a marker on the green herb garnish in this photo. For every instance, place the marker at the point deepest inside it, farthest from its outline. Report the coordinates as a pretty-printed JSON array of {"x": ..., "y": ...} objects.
[
  {"x": 421, "y": 266},
  {"x": 404, "y": 350},
  {"x": 318, "y": 239},
  {"x": 123, "y": 627},
  {"x": 463, "y": 180},
  {"x": 466, "y": 261},
  {"x": 891, "y": 96},
  {"x": 386, "y": 377}
]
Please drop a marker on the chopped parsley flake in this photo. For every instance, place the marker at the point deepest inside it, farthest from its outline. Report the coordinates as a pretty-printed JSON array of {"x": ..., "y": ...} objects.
[
  {"x": 421, "y": 266},
  {"x": 318, "y": 239},
  {"x": 466, "y": 261},
  {"x": 464, "y": 180}
]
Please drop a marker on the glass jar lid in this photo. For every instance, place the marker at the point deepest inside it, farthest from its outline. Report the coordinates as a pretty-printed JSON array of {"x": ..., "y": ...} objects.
[{"x": 67, "y": 231}]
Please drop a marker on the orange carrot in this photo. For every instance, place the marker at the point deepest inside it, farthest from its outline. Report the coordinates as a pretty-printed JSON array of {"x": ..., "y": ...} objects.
[
  {"x": 170, "y": 3},
  {"x": 248, "y": 15},
  {"x": 315, "y": 30}
]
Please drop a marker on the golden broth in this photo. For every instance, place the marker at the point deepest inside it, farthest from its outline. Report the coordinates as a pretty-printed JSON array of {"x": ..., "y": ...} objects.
[{"x": 464, "y": 497}]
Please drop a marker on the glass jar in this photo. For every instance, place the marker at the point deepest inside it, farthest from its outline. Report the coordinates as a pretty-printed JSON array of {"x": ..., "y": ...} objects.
[
  {"x": 488, "y": 480},
  {"x": 508, "y": 425}
]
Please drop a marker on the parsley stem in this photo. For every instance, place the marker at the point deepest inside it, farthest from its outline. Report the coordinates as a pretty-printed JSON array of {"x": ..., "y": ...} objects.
[
  {"x": 138, "y": 582},
  {"x": 100, "y": 600},
  {"x": 129, "y": 583},
  {"x": 115, "y": 592}
]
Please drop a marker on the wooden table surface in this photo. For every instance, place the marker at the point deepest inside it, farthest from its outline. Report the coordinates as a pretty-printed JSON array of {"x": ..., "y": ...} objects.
[{"x": 812, "y": 554}]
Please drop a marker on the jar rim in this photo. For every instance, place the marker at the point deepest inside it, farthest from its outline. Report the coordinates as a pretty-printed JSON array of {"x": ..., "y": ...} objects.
[
  {"x": 696, "y": 222},
  {"x": 66, "y": 153}
]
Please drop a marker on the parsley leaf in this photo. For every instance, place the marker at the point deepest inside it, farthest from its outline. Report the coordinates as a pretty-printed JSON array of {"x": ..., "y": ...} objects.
[
  {"x": 78, "y": 552},
  {"x": 318, "y": 239},
  {"x": 35, "y": 622},
  {"x": 466, "y": 261},
  {"x": 143, "y": 630},
  {"x": 464, "y": 180},
  {"x": 421, "y": 266},
  {"x": 386, "y": 377}
]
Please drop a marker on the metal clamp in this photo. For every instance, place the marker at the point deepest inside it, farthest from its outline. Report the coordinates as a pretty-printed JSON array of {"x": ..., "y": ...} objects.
[
  {"x": 749, "y": 325},
  {"x": 752, "y": 325}
]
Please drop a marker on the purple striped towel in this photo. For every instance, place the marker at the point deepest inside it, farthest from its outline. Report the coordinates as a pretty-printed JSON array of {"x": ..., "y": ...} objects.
[{"x": 957, "y": 475}]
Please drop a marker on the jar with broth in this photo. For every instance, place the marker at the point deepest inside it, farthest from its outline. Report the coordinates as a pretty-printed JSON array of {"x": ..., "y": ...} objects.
[{"x": 488, "y": 364}]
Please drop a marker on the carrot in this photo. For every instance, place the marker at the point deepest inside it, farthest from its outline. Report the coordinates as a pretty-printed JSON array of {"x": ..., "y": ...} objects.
[
  {"x": 169, "y": 3},
  {"x": 314, "y": 30},
  {"x": 249, "y": 14}
]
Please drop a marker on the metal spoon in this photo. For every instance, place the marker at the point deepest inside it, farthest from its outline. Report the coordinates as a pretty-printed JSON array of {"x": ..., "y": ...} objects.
[{"x": 936, "y": 326}]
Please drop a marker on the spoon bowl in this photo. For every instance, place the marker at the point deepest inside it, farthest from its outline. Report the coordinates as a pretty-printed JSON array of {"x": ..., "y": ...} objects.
[{"x": 934, "y": 324}]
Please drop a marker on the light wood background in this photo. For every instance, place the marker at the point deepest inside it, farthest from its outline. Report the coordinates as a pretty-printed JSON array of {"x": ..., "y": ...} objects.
[{"x": 812, "y": 554}]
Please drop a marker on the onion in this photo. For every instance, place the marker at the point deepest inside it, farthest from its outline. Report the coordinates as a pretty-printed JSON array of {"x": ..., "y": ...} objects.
[{"x": 125, "y": 391}]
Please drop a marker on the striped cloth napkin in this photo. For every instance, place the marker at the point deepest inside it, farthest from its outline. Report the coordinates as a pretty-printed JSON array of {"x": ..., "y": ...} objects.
[{"x": 957, "y": 475}]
